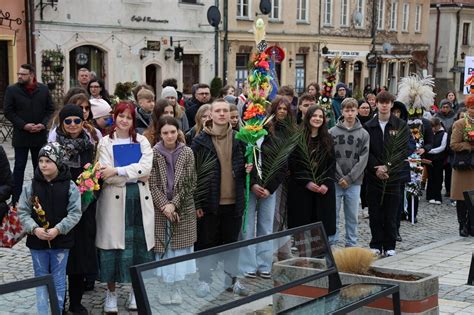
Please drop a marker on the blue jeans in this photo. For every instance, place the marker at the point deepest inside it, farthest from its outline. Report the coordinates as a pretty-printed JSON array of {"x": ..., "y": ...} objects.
[
  {"x": 50, "y": 261},
  {"x": 258, "y": 257},
  {"x": 21, "y": 158},
  {"x": 351, "y": 197}
]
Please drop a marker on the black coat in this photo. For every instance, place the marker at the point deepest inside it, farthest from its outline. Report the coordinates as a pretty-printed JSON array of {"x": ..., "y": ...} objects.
[
  {"x": 202, "y": 144},
  {"x": 305, "y": 206},
  {"x": 6, "y": 182},
  {"x": 377, "y": 151},
  {"x": 192, "y": 106},
  {"x": 22, "y": 108}
]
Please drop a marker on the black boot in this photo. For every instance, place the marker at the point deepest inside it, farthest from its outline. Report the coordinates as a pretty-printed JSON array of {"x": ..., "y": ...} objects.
[
  {"x": 462, "y": 218},
  {"x": 463, "y": 231}
]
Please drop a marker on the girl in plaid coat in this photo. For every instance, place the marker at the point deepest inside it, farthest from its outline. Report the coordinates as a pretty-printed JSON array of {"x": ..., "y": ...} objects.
[{"x": 172, "y": 185}]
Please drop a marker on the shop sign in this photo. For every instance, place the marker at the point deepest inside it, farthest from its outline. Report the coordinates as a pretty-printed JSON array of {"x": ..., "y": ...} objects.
[
  {"x": 346, "y": 53},
  {"x": 153, "y": 45},
  {"x": 139, "y": 19}
]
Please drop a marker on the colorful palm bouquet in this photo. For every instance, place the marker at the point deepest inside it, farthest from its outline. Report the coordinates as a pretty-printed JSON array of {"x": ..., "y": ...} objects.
[
  {"x": 41, "y": 215},
  {"x": 255, "y": 116},
  {"x": 468, "y": 131},
  {"x": 326, "y": 92},
  {"x": 88, "y": 183}
]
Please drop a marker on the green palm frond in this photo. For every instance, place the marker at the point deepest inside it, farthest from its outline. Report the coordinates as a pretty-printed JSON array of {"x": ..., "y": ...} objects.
[
  {"x": 312, "y": 160},
  {"x": 276, "y": 155},
  {"x": 205, "y": 165}
]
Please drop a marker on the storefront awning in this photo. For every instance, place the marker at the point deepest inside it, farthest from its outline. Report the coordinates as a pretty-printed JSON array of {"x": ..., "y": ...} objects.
[{"x": 390, "y": 56}]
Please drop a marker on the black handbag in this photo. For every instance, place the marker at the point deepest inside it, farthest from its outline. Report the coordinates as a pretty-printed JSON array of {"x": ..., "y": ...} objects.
[{"x": 463, "y": 160}]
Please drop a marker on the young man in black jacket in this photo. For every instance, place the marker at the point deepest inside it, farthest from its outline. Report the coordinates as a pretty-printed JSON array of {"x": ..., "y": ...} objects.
[
  {"x": 220, "y": 217},
  {"x": 28, "y": 105},
  {"x": 389, "y": 138}
]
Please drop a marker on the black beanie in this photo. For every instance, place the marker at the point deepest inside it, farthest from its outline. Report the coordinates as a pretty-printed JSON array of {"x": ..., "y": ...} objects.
[{"x": 70, "y": 110}]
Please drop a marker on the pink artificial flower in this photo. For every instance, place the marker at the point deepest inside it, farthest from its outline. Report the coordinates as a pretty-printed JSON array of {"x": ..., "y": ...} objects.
[
  {"x": 89, "y": 183},
  {"x": 87, "y": 166}
]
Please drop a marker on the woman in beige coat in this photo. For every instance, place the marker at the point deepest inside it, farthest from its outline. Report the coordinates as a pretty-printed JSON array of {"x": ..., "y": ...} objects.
[
  {"x": 463, "y": 180},
  {"x": 125, "y": 214},
  {"x": 172, "y": 182}
]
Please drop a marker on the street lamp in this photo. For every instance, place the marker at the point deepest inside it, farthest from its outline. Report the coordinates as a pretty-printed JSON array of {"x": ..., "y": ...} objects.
[{"x": 168, "y": 53}]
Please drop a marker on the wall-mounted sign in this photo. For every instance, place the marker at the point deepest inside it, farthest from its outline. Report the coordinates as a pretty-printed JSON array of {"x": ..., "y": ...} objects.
[
  {"x": 153, "y": 45},
  {"x": 276, "y": 53},
  {"x": 138, "y": 18},
  {"x": 469, "y": 75},
  {"x": 346, "y": 53}
]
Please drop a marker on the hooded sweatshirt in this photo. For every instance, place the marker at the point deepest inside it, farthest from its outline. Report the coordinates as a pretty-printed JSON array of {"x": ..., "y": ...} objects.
[
  {"x": 222, "y": 137},
  {"x": 352, "y": 151}
]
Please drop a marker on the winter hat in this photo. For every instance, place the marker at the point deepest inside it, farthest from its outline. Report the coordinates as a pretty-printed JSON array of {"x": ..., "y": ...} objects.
[
  {"x": 53, "y": 151},
  {"x": 100, "y": 108},
  {"x": 169, "y": 91},
  {"x": 340, "y": 85},
  {"x": 444, "y": 102},
  {"x": 70, "y": 110}
]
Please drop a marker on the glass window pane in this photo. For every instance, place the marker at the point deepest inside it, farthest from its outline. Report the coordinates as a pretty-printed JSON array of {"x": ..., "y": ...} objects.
[
  {"x": 29, "y": 301},
  {"x": 205, "y": 287}
]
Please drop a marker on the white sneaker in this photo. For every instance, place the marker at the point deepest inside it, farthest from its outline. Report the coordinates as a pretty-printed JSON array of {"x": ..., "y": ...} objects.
[
  {"x": 110, "y": 304},
  {"x": 132, "y": 303},
  {"x": 438, "y": 202},
  {"x": 375, "y": 251},
  {"x": 390, "y": 253},
  {"x": 432, "y": 201}
]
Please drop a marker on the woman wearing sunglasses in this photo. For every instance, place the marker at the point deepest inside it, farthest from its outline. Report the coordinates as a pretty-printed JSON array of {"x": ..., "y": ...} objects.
[{"x": 72, "y": 135}]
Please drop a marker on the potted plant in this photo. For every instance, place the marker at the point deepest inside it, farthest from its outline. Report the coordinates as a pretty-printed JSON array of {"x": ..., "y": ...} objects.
[
  {"x": 418, "y": 291},
  {"x": 51, "y": 85}
]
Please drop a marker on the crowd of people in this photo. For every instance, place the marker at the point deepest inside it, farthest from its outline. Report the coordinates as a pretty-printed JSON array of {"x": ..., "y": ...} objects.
[{"x": 152, "y": 153}]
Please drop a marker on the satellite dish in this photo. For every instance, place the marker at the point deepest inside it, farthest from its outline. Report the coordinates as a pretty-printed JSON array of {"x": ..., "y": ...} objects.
[
  {"x": 357, "y": 17},
  {"x": 387, "y": 47},
  {"x": 213, "y": 16},
  {"x": 265, "y": 7}
]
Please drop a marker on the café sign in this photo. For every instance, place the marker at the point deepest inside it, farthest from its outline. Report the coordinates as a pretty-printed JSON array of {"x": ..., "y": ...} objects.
[
  {"x": 346, "y": 53},
  {"x": 146, "y": 19}
]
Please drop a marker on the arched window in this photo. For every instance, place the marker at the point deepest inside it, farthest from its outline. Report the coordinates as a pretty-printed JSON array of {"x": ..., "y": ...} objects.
[{"x": 87, "y": 56}]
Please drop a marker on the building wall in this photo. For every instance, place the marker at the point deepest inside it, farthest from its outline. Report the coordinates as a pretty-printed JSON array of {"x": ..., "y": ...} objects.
[{"x": 121, "y": 29}]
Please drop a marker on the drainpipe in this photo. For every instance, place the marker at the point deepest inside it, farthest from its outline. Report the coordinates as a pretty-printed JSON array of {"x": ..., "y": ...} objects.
[
  {"x": 458, "y": 22},
  {"x": 30, "y": 28},
  {"x": 216, "y": 46},
  {"x": 435, "y": 57},
  {"x": 319, "y": 44},
  {"x": 374, "y": 34},
  {"x": 226, "y": 40}
]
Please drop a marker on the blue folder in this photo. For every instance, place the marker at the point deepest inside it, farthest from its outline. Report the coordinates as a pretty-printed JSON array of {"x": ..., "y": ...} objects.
[{"x": 126, "y": 154}]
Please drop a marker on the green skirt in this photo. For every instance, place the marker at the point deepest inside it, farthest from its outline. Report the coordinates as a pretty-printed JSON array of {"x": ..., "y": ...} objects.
[{"x": 115, "y": 263}]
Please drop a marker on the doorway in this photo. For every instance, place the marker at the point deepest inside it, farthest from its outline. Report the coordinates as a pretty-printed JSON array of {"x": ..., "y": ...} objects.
[
  {"x": 190, "y": 72},
  {"x": 4, "y": 71},
  {"x": 358, "y": 89},
  {"x": 87, "y": 56},
  {"x": 153, "y": 78}
]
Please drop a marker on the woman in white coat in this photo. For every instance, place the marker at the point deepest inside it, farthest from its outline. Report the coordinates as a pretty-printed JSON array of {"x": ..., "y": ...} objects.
[{"x": 125, "y": 213}]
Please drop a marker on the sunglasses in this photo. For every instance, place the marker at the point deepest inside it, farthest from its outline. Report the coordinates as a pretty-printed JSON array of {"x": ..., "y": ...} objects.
[{"x": 69, "y": 121}]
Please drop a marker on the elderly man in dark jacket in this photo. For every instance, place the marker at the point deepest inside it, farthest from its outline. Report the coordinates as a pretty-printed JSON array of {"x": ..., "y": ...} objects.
[
  {"x": 220, "y": 217},
  {"x": 28, "y": 105}
]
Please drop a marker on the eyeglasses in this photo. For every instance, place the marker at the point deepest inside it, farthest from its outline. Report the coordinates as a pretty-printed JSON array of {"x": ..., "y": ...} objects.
[
  {"x": 87, "y": 108},
  {"x": 69, "y": 121},
  {"x": 203, "y": 94},
  {"x": 19, "y": 73}
]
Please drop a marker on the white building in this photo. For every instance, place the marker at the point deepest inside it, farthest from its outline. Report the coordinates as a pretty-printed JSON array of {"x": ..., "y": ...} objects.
[
  {"x": 126, "y": 40},
  {"x": 451, "y": 23}
]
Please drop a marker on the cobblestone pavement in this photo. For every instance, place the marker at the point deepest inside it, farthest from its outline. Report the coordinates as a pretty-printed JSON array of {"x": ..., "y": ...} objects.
[{"x": 436, "y": 223}]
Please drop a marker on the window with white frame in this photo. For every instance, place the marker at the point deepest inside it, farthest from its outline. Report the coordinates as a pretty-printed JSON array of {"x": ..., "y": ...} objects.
[
  {"x": 360, "y": 9},
  {"x": 275, "y": 12},
  {"x": 327, "y": 12},
  {"x": 300, "y": 68},
  {"x": 243, "y": 8},
  {"x": 241, "y": 69},
  {"x": 418, "y": 18},
  {"x": 394, "y": 16},
  {"x": 380, "y": 14},
  {"x": 406, "y": 17},
  {"x": 302, "y": 10},
  {"x": 344, "y": 12}
]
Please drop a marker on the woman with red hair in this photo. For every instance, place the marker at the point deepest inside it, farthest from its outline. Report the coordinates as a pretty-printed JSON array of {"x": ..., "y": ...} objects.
[
  {"x": 125, "y": 214},
  {"x": 462, "y": 139}
]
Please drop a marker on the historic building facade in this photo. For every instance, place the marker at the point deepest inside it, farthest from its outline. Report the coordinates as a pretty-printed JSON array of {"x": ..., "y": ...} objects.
[{"x": 451, "y": 40}]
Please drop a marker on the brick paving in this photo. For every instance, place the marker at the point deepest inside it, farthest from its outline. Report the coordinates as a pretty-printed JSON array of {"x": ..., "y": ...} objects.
[{"x": 436, "y": 224}]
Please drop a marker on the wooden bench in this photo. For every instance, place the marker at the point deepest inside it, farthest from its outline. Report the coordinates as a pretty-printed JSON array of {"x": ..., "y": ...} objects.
[{"x": 312, "y": 245}]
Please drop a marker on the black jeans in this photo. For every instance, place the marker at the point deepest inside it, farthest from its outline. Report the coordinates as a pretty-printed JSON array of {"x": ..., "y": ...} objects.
[
  {"x": 435, "y": 181},
  {"x": 216, "y": 229},
  {"x": 21, "y": 158},
  {"x": 448, "y": 172},
  {"x": 383, "y": 217}
]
